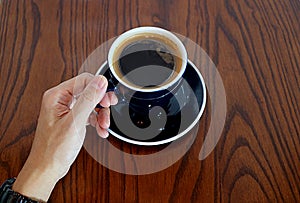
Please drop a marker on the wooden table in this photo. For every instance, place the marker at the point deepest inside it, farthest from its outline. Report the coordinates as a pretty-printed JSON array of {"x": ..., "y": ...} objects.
[{"x": 255, "y": 45}]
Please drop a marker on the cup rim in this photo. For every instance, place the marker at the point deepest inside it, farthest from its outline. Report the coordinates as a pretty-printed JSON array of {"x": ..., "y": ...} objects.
[{"x": 151, "y": 30}]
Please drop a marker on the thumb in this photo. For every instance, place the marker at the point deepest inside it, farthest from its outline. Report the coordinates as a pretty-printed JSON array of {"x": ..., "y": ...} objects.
[{"x": 89, "y": 98}]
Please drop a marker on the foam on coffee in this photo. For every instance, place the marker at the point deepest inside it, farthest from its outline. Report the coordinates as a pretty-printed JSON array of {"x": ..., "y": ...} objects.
[{"x": 147, "y": 60}]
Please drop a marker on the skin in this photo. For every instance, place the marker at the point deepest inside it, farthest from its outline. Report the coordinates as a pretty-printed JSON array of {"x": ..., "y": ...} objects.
[{"x": 61, "y": 131}]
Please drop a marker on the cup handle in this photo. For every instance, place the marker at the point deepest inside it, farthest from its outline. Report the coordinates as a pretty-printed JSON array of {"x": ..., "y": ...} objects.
[{"x": 111, "y": 87}]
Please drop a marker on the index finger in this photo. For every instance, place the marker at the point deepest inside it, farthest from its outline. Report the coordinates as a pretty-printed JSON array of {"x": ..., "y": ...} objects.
[{"x": 77, "y": 84}]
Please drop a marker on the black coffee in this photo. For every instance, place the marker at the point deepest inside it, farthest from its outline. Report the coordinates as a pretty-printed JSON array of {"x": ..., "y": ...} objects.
[{"x": 148, "y": 62}]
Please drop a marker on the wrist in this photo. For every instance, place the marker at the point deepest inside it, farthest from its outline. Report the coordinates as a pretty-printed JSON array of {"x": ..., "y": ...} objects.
[
  {"x": 35, "y": 181},
  {"x": 9, "y": 195}
]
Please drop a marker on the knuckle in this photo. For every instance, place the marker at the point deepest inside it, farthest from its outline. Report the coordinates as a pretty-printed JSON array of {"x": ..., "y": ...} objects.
[
  {"x": 48, "y": 93},
  {"x": 87, "y": 75}
]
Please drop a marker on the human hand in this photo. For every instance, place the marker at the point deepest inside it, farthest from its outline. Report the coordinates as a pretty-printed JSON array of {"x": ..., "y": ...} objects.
[{"x": 61, "y": 131}]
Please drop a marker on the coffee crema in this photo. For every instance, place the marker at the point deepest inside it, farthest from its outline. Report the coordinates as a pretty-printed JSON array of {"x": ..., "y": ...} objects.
[{"x": 147, "y": 61}]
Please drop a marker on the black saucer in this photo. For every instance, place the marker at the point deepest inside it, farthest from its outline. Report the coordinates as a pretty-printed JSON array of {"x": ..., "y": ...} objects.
[{"x": 176, "y": 125}]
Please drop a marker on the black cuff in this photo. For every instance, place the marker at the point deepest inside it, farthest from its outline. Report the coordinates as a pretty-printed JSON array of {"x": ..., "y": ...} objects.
[{"x": 7, "y": 195}]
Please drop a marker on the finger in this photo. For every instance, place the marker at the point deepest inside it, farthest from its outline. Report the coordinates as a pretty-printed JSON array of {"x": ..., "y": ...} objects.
[
  {"x": 113, "y": 98},
  {"x": 105, "y": 102},
  {"x": 77, "y": 84},
  {"x": 109, "y": 99},
  {"x": 92, "y": 120},
  {"x": 91, "y": 95},
  {"x": 102, "y": 132},
  {"x": 103, "y": 118}
]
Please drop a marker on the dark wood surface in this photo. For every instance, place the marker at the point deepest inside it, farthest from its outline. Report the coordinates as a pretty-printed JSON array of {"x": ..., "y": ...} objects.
[{"x": 255, "y": 46}]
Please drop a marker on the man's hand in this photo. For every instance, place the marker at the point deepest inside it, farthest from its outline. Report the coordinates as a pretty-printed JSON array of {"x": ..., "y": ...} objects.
[{"x": 61, "y": 131}]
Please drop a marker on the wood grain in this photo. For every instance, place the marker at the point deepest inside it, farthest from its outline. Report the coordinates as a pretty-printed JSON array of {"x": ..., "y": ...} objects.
[{"x": 255, "y": 45}]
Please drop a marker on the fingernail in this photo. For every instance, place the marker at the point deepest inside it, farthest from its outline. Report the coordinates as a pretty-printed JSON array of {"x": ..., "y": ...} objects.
[
  {"x": 102, "y": 82},
  {"x": 105, "y": 135},
  {"x": 114, "y": 99}
]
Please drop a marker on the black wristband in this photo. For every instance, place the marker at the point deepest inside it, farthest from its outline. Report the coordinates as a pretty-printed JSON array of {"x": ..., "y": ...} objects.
[{"x": 7, "y": 195}]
